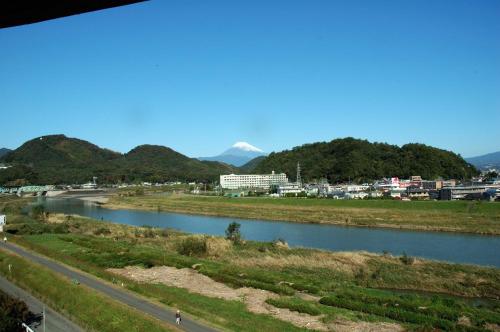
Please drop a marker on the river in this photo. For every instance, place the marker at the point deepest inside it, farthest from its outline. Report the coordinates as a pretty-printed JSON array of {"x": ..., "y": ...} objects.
[{"x": 451, "y": 247}]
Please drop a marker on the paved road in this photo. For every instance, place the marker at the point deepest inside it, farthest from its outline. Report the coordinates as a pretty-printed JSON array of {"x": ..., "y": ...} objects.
[
  {"x": 135, "y": 301},
  {"x": 53, "y": 320}
]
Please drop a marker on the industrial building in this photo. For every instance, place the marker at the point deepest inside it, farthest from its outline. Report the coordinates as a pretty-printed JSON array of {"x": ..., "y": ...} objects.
[
  {"x": 452, "y": 193},
  {"x": 290, "y": 189}
]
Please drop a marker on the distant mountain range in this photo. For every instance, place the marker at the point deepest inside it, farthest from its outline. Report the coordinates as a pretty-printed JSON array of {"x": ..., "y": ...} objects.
[
  {"x": 238, "y": 155},
  {"x": 487, "y": 161},
  {"x": 57, "y": 159},
  {"x": 4, "y": 151}
]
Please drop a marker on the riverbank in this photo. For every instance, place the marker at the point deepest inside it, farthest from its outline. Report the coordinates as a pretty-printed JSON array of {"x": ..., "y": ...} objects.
[
  {"x": 456, "y": 216},
  {"x": 266, "y": 286}
]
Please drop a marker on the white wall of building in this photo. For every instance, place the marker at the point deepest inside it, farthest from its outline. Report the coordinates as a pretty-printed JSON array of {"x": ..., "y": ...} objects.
[{"x": 262, "y": 181}]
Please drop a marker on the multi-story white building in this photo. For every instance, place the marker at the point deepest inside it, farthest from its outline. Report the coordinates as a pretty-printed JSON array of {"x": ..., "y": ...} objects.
[{"x": 262, "y": 181}]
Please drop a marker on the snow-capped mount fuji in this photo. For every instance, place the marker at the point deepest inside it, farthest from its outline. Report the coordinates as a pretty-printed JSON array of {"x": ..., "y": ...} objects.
[{"x": 238, "y": 155}]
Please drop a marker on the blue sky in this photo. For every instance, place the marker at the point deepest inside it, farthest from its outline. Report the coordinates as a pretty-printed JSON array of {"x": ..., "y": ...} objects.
[{"x": 198, "y": 76}]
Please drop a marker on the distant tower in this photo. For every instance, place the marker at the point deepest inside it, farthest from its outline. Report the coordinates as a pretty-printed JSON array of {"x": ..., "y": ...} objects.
[
  {"x": 94, "y": 179},
  {"x": 299, "y": 179}
]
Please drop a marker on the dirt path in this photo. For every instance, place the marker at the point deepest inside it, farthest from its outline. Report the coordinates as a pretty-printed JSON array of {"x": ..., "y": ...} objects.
[{"x": 255, "y": 299}]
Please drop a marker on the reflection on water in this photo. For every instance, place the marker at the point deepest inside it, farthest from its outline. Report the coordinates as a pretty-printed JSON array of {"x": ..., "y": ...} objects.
[{"x": 460, "y": 248}]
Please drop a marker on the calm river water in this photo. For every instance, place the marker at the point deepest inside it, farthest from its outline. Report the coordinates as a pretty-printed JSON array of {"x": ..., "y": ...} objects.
[{"x": 458, "y": 248}]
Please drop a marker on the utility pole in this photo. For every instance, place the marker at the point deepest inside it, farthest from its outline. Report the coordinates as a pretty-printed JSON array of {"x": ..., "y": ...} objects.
[
  {"x": 299, "y": 179},
  {"x": 43, "y": 313}
]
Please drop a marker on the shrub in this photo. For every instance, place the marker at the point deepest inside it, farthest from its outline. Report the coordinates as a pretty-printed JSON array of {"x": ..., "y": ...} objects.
[
  {"x": 12, "y": 312},
  {"x": 102, "y": 231},
  {"x": 38, "y": 212},
  {"x": 361, "y": 274},
  {"x": 149, "y": 233},
  {"x": 217, "y": 246},
  {"x": 37, "y": 228},
  {"x": 280, "y": 243},
  {"x": 295, "y": 305},
  {"x": 60, "y": 229},
  {"x": 233, "y": 232},
  {"x": 192, "y": 246},
  {"x": 407, "y": 260}
]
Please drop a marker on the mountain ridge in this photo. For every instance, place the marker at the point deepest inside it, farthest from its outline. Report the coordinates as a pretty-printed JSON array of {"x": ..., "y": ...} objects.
[
  {"x": 56, "y": 159},
  {"x": 486, "y": 161},
  {"x": 4, "y": 151}
]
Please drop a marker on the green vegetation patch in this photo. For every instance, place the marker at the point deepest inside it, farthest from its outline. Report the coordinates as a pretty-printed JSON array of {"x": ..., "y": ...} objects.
[
  {"x": 436, "y": 311},
  {"x": 88, "y": 308},
  {"x": 295, "y": 304}
]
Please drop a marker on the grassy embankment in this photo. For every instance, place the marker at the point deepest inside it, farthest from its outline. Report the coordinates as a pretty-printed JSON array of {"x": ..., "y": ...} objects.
[
  {"x": 450, "y": 216},
  {"x": 345, "y": 282},
  {"x": 90, "y": 310}
]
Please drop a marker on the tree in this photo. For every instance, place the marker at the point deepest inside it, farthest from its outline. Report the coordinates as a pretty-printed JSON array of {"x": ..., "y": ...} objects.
[
  {"x": 233, "y": 232},
  {"x": 38, "y": 212},
  {"x": 491, "y": 176},
  {"x": 12, "y": 313}
]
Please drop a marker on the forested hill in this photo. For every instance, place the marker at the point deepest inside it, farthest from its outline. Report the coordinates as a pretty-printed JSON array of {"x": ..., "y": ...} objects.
[
  {"x": 249, "y": 167},
  {"x": 159, "y": 163},
  {"x": 4, "y": 151},
  {"x": 58, "y": 159},
  {"x": 359, "y": 160}
]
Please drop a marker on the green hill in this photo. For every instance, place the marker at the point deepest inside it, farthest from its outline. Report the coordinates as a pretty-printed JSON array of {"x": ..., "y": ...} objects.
[
  {"x": 58, "y": 159},
  {"x": 4, "y": 151},
  {"x": 359, "y": 160},
  {"x": 250, "y": 166},
  {"x": 156, "y": 163}
]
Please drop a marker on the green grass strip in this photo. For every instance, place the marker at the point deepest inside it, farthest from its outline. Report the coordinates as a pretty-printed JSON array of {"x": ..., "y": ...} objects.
[{"x": 89, "y": 309}]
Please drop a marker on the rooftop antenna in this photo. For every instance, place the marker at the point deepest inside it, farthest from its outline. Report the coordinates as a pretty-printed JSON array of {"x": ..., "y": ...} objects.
[{"x": 299, "y": 179}]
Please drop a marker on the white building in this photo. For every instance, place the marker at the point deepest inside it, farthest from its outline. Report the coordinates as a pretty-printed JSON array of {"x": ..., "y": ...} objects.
[
  {"x": 290, "y": 188},
  {"x": 355, "y": 188},
  {"x": 387, "y": 184},
  {"x": 3, "y": 221},
  {"x": 263, "y": 181},
  {"x": 89, "y": 185},
  {"x": 355, "y": 195}
]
